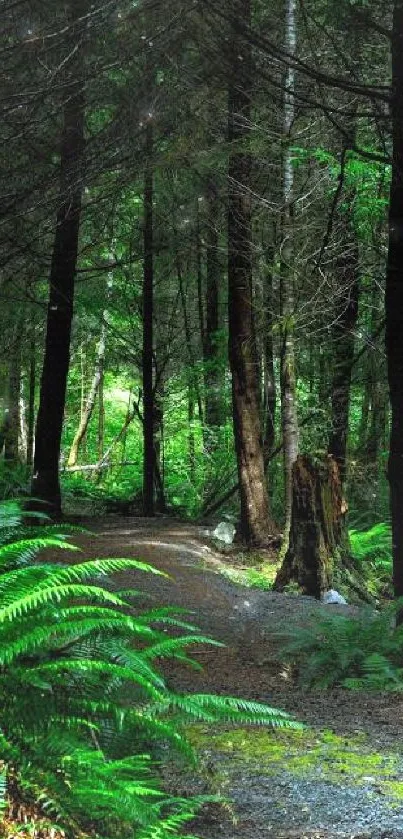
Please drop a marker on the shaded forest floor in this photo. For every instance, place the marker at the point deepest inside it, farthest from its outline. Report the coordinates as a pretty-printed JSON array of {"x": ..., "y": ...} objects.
[{"x": 342, "y": 777}]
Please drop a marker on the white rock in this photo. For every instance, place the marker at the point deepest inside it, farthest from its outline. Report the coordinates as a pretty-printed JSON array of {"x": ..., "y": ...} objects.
[
  {"x": 225, "y": 532},
  {"x": 333, "y": 597}
]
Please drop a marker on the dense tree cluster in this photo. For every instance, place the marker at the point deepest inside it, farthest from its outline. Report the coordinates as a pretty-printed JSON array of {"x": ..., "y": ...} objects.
[{"x": 193, "y": 247}]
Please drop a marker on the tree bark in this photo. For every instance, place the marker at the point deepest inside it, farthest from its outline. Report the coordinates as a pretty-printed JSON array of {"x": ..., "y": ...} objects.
[
  {"x": 13, "y": 430},
  {"x": 377, "y": 429},
  {"x": 192, "y": 375},
  {"x": 213, "y": 377},
  {"x": 45, "y": 482},
  {"x": 269, "y": 385},
  {"x": 344, "y": 323},
  {"x": 92, "y": 395},
  {"x": 376, "y": 396},
  {"x": 130, "y": 416},
  {"x": 287, "y": 304},
  {"x": 343, "y": 352},
  {"x": 158, "y": 439},
  {"x": 191, "y": 435},
  {"x": 31, "y": 403},
  {"x": 394, "y": 303},
  {"x": 256, "y": 521},
  {"x": 101, "y": 414},
  {"x": 148, "y": 328},
  {"x": 317, "y": 527}
]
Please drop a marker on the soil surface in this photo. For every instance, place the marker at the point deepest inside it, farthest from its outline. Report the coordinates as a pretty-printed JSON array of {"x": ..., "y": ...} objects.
[{"x": 345, "y": 784}]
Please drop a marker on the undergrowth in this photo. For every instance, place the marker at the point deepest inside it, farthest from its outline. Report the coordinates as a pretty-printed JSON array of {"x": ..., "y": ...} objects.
[
  {"x": 373, "y": 550},
  {"x": 360, "y": 653}
]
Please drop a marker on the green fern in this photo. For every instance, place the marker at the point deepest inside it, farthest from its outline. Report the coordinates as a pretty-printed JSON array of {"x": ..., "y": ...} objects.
[
  {"x": 84, "y": 712},
  {"x": 372, "y": 550},
  {"x": 360, "y": 653},
  {"x": 374, "y": 544}
]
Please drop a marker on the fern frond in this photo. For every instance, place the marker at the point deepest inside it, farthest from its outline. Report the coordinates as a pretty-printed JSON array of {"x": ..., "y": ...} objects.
[
  {"x": 59, "y": 670},
  {"x": 55, "y": 594},
  {"x": 173, "y": 647},
  {"x": 81, "y": 699},
  {"x": 231, "y": 709},
  {"x": 25, "y": 550}
]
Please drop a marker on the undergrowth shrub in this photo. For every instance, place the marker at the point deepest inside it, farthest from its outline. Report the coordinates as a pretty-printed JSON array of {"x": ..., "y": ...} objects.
[
  {"x": 84, "y": 709},
  {"x": 374, "y": 545},
  {"x": 362, "y": 653},
  {"x": 373, "y": 551}
]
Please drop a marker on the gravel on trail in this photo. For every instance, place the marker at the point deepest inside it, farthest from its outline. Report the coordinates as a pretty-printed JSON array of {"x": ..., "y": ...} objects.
[{"x": 269, "y": 802}]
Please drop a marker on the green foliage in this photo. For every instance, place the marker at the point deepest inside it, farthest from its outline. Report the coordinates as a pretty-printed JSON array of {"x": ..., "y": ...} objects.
[
  {"x": 374, "y": 545},
  {"x": 362, "y": 653},
  {"x": 84, "y": 711},
  {"x": 373, "y": 550}
]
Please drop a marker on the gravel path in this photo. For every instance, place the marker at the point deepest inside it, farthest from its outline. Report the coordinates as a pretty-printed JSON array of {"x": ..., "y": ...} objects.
[{"x": 348, "y": 784}]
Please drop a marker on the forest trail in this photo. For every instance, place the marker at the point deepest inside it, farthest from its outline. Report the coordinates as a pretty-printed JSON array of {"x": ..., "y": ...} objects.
[{"x": 319, "y": 785}]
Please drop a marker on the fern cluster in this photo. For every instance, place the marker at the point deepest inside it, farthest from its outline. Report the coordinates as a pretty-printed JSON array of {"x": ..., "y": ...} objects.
[
  {"x": 84, "y": 710},
  {"x": 373, "y": 551},
  {"x": 362, "y": 653}
]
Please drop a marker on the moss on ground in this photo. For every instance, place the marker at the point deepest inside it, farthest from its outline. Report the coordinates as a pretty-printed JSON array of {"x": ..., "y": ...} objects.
[{"x": 322, "y": 755}]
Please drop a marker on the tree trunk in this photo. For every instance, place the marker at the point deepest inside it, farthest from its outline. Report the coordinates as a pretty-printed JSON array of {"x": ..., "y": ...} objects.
[
  {"x": 158, "y": 437},
  {"x": 45, "y": 482},
  {"x": 92, "y": 395},
  {"x": 199, "y": 277},
  {"x": 269, "y": 386},
  {"x": 23, "y": 429},
  {"x": 287, "y": 303},
  {"x": 183, "y": 293},
  {"x": 213, "y": 378},
  {"x": 31, "y": 404},
  {"x": 12, "y": 436},
  {"x": 394, "y": 303},
  {"x": 377, "y": 428},
  {"x": 317, "y": 527},
  {"x": 103, "y": 461},
  {"x": 191, "y": 435},
  {"x": 344, "y": 323},
  {"x": 343, "y": 351},
  {"x": 256, "y": 521},
  {"x": 101, "y": 414},
  {"x": 375, "y": 391},
  {"x": 148, "y": 328},
  {"x": 365, "y": 407}
]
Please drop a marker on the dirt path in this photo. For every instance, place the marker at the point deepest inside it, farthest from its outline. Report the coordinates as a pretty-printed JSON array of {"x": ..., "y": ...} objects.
[{"x": 320, "y": 786}]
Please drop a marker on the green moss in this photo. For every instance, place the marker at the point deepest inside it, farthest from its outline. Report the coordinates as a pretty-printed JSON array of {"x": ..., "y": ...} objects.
[
  {"x": 394, "y": 789},
  {"x": 323, "y": 755},
  {"x": 262, "y": 577}
]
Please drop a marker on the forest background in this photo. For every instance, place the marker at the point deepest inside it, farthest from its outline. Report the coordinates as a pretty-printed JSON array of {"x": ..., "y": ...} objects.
[
  {"x": 211, "y": 184},
  {"x": 201, "y": 255}
]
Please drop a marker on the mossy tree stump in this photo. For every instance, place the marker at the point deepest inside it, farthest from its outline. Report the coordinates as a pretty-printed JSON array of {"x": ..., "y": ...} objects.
[{"x": 318, "y": 533}]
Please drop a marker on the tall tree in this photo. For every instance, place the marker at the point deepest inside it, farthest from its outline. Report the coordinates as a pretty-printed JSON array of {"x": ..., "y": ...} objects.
[
  {"x": 269, "y": 380},
  {"x": 88, "y": 407},
  {"x": 343, "y": 330},
  {"x": 394, "y": 302},
  {"x": 13, "y": 451},
  {"x": 31, "y": 401},
  {"x": 256, "y": 521},
  {"x": 289, "y": 418},
  {"x": 45, "y": 481},
  {"x": 148, "y": 325},
  {"x": 213, "y": 378}
]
